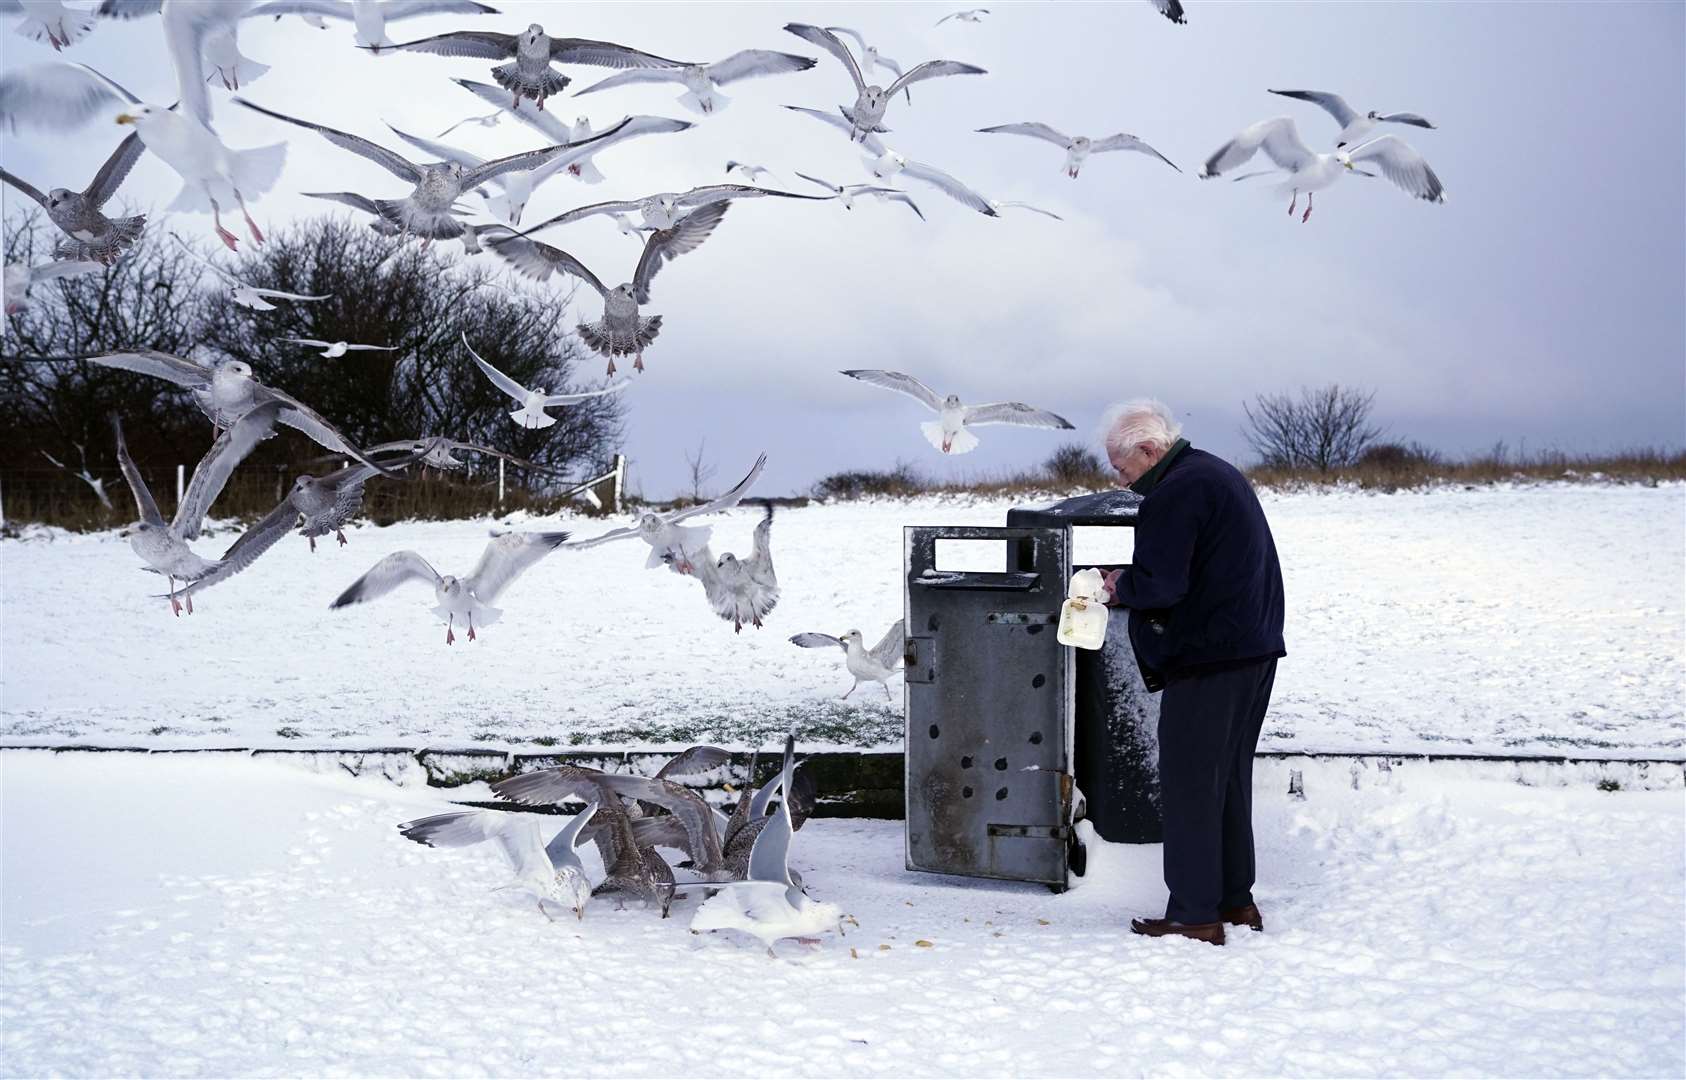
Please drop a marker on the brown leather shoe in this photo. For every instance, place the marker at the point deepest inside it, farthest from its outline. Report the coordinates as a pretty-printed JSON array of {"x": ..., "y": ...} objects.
[
  {"x": 1244, "y": 916},
  {"x": 1212, "y": 932}
]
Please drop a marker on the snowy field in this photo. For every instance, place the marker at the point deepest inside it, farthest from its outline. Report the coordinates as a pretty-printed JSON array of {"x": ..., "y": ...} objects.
[
  {"x": 206, "y": 915},
  {"x": 1541, "y": 619}
]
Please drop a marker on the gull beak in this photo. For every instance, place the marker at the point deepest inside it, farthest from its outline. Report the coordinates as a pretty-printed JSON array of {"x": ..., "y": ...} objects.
[{"x": 125, "y": 118}]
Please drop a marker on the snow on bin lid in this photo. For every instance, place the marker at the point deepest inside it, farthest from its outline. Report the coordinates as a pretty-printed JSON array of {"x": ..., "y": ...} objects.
[{"x": 1101, "y": 508}]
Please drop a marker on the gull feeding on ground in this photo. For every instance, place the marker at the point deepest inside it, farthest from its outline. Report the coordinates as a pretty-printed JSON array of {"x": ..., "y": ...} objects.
[
  {"x": 227, "y": 391},
  {"x": 887, "y": 164},
  {"x": 163, "y": 545},
  {"x": 21, "y": 277},
  {"x": 877, "y": 664},
  {"x": 78, "y": 214},
  {"x": 1077, "y": 147},
  {"x": 1309, "y": 172},
  {"x": 665, "y": 534},
  {"x": 506, "y": 558},
  {"x": 533, "y": 403},
  {"x": 531, "y": 52},
  {"x": 847, "y": 194},
  {"x": 371, "y": 16},
  {"x": 254, "y": 297},
  {"x": 336, "y": 349},
  {"x": 550, "y": 871},
  {"x": 867, "y": 113},
  {"x": 1354, "y": 125},
  {"x": 623, "y": 330},
  {"x": 702, "y": 82},
  {"x": 739, "y": 590},
  {"x": 516, "y": 187},
  {"x": 948, "y": 432},
  {"x": 768, "y": 904},
  {"x": 50, "y": 22}
]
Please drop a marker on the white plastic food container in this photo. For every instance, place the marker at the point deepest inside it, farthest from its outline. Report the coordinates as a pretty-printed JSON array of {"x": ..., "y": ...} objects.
[{"x": 1083, "y": 616}]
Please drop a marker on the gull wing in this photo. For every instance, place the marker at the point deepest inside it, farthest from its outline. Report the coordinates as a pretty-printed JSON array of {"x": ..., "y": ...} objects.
[
  {"x": 1401, "y": 164},
  {"x": 606, "y": 54},
  {"x": 571, "y": 399},
  {"x": 754, "y": 63},
  {"x": 831, "y": 43},
  {"x": 726, "y": 501},
  {"x": 949, "y": 186},
  {"x": 889, "y": 649},
  {"x": 181, "y": 371},
  {"x": 137, "y": 486},
  {"x": 1279, "y": 138},
  {"x": 506, "y": 558},
  {"x": 1124, "y": 141},
  {"x": 480, "y": 44},
  {"x": 1014, "y": 412},
  {"x": 537, "y": 260},
  {"x": 30, "y": 189},
  {"x": 931, "y": 69},
  {"x": 687, "y": 234},
  {"x": 386, "y": 575},
  {"x": 903, "y": 384},
  {"x": 560, "y": 850},
  {"x": 214, "y": 469},
  {"x": 1034, "y": 129},
  {"x": 56, "y": 96},
  {"x": 440, "y": 151},
  {"x": 1333, "y": 104},
  {"x": 186, "y": 26},
  {"x": 499, "y": 379},
  {"x": 299, "y": 416},
  {"x": 811, "y": 640},
  {"x": 524, "y": 110},
  {"x": 1405, "y": 118},
  {"x": 362, "y": 147},
  {"x": 635, "y": 75},
  {"x": 702, "y": 840},
  {"x": 116, "y": 168},
  {"x": 693, "y": 761}
]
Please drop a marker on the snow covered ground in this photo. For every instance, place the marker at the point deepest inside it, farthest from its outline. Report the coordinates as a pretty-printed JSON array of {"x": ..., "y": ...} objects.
[
  {"x": 1515, "y": 620},
  {"x": 204, "y": 915}
]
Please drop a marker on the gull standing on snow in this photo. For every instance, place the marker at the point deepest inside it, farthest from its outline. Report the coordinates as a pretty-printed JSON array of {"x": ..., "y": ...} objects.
[
  {"x": 506, "y": 558},
  {"x": 1077, "y": 147},
  {"x": 163, "y": 545},
  {"x": 665, "y": 534},
  {"x": 531, "y": 52},
  {"x": 768, "y": 904},
  {"x": 1310, "y": 172},
  {"x": 740, "y": 590},
  {"x": 551, "y": 871},
  {"x": 847, "y": 194},
  {"x": 533, "y": 403},
  {"x": 371, "y": 16},
  {"x": 78, "y": 214},
  {"x": 1354, "y": 126},
  {"x": 335, "y": 349},
  {"x": 21, "y": 277},
  {"x": 877, "y": 664},
  {"x": 250, "y": 296},
  {"x": 623, "y": 330},
  {"x": 970, "y": 15},
  {"x": 702, "y": 82},
  {"x": 867, "y": 113},
  {"x": 948, "y": 432},
  {"x": 50, "y": 22},
  {"x": 887, "y": 164},
  {"x": 227, "y": 391}
]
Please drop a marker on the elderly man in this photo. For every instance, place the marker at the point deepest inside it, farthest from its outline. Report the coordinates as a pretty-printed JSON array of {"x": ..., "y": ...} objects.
[{"x": 1204, "y": 591}]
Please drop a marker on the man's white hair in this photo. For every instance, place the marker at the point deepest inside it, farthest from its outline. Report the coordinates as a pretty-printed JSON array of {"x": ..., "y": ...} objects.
[{"x": 1142, "y": 420}]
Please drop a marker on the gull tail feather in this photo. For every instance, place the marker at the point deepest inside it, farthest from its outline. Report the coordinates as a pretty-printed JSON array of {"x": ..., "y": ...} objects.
[
  {"x": 589, "y": 173},
  {"x": 509, "y": 77},
  {"x": 255, "y": 171},
  {"x": 75, "y": 24}
]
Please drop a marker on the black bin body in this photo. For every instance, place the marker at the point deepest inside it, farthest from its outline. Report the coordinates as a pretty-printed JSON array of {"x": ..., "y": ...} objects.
[{"x": 1115, "y": 719}]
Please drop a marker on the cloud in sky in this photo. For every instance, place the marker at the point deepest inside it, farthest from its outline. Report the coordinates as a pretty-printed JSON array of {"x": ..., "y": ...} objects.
[{"x": 1542, "y": 302}]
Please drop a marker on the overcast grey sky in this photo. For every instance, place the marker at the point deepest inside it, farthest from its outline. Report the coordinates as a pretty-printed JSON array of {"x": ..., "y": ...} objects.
[{"x": 1542, "y": 303}]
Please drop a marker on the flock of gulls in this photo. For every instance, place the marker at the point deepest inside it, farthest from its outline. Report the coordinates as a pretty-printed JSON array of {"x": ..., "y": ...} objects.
[{"x": 741, "y": 859}]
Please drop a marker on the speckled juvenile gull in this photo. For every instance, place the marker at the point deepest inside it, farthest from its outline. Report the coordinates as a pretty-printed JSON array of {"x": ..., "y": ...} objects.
[
  {"x": 1077, "y": 147},
  {"x": 877, "y": 664},
  {"x": 551, "y": 871},
  {"x": 506, "y": 558},
  {"x": 702, "y": 82},
  {"x": 1354, "y": 125},
  {"x": 664, "y": 532},
  {"x": 887, "y": 164},
  {"x": 1308, "y": 172},
  {"x": 534, "y": 402},
  {"x": 78, "y": 214},
  {"x": 371, "y": 16},
  {"x": 867, "y": 114},
  {"x": 948, "y": 432}
]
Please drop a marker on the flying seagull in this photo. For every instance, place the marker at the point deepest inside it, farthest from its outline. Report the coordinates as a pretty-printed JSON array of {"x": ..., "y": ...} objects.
[
  {"x": 702, "y": 82},
  {"x": 740, "y": 590},
  {"x": 506, "y": 558},
  {"x": 887, "y": 164},
  {"x": 315, "y": 505},
  {"x": 971, "y": 15},
  {"x": 227, "y": 391},
  {"x": 551, "y": 871},
  {"x": 664, "y": 532},
  {"x": 870, "y": 58},
  {"x": 335, "y": 349},
  {"x": 50, "y": 22},
  {"x": 948, "y": 432},
  {"x": 666, "y": 209},
  {"x": 161, "y": 544},
  {"x": 487, "y": 121},
  {"x": 21, "y": 277},
  {"x": 1309, "y": 172},
  {"x": 623, "y": 330},
  {"x": 250, "y": 296},
  {"x": 528, "y": 73},
  {"x": 1171, "y": 9},
  {"x": 533, "y": 403},
  {"x": 1354, "y": 126},
  {"x": 752, "y": 173},
  {"x": 371, "y": 16},
  {"x": 1078, "y": 147},
  {"x": 544, "y": 123},
  {"x": 97, "y": 483},
  {"x": 876, "y": 664},
  {"x": 78, "y": 214},
  {"x": 221, "y": 45},
  {"x": 870, "y": 101},
  {"x": 997, "y": 205},
  {"x": 848, "y": 193}
]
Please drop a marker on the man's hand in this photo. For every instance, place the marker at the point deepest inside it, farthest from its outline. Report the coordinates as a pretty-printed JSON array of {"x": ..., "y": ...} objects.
[{"x": 1110, "y": 583}]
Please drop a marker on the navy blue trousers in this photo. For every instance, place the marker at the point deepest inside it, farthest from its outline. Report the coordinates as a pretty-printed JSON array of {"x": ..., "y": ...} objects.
[{"x": 1208, "y": 729}]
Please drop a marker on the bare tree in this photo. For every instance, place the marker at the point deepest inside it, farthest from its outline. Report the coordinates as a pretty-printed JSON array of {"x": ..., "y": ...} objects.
[
  {"x": 1324, "y": 428},
  {"x": 700, "y": 472}
]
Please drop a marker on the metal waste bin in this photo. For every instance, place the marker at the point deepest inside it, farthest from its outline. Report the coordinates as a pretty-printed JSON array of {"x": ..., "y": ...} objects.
[{"x": 1116, "y": 721}]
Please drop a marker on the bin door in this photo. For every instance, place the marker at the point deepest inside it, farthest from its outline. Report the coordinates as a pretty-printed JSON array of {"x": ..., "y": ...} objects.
[{"x": 989, "y": 707}]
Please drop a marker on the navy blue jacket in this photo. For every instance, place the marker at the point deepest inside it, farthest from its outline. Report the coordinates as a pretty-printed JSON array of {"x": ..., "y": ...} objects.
[{"x": 1204, "y": 587}]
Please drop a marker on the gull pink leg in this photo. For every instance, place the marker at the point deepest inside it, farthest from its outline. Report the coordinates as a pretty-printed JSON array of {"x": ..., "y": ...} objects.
[
  {"x": 1307, "y": 215},
  {"x": 450, "y": 621},
  {"x": 1292, "y": 203},
  {"x": 223, "y": 234},
  {"x": 251, "y": 226}
]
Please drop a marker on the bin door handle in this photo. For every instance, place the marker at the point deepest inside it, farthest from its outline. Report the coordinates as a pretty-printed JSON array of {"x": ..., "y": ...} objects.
[{"x": 1010, "y": 581}]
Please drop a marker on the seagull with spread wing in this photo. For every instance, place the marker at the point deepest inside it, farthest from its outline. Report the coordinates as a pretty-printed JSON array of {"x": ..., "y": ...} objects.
[
  {"x": 1077, "y": 147},
  {"x": 623, "y": 330},
  {"x": 848, "y": 193},
  {"x": 250, "y": 296},
  {"x": 870, "y": 58},
  {"x": 970, "y": 15},
  {"x": 877, "y": 664},
  {"x": 887, "y": 164},
  {"x": 544, "y": 123},
  {"x": 21, "y": 277},
  {"x": 506, "y": 558},
  {"x": 870, "y": 102},
  {"x": 528, "y": 73},
  {"x": 550, "y": 871},
  {"x": 78, "y": 214},
  {"x": 161, "y": 544},
  {"x": 702, "y": 82},
  {"x": 948, "y": 432},
  {"x": 1354, "y": 125},
  {"x": 333, "y": 350},
  {"x": 666, "y": 534},
  {"x": 1309, "y": 172},
  {"x": 371, "y": 16},
  {"x": 666, "y": 209},
  {"x": 534, "y": 402},
  {"x": 739, "y": 590},
  {"x": 50, "y": 22}
]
